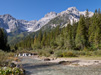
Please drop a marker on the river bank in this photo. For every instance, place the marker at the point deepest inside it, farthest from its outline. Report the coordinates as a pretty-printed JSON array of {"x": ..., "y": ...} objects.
[{"x": 37, "y": 66}]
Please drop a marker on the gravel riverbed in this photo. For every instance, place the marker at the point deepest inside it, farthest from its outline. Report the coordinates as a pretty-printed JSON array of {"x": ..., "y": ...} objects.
[{"x": 39, "y": 67}]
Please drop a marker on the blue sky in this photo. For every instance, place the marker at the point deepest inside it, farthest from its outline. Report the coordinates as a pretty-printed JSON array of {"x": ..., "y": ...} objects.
[{"x": 36, "y": 9}]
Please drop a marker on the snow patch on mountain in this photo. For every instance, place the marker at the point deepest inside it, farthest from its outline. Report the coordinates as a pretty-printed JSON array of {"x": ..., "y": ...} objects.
[
  {"x": 8, "y": 30},
  {"x": 10, "y": 24},
  {"x": 43, "y": 21},
  {"x": 74, "y": 14},
  {"x": 84, "y": 13}
]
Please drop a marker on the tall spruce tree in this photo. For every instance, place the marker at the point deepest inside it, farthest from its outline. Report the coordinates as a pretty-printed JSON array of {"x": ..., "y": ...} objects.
[
  {"x": 99, "y": 12},
  {"x": 3, "y": 40},
  {"x": 97, "y": 36},
  {"x": 43, "y": 42},
  {"x": 95, "y": 31},
  {"x": 74, "y": 29},
  {"x": 69, "y": 36},
  {"x": 80, "y": 40}
]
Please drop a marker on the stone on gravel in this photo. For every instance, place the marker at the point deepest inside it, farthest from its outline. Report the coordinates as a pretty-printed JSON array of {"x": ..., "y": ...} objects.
[
  {"x": 65, "y": 62},
  {"x": 46, "y": 59}
]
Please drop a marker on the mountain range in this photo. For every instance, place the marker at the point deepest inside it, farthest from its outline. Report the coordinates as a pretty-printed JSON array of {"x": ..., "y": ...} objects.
[{"x": 52, "y": 19}]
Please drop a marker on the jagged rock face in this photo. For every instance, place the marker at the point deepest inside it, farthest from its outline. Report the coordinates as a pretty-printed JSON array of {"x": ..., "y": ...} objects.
[
  {"x": 11, "y": 24},
  {"x": 43, "y": 21},
  {"x": 8, "y": 22},
  {"x": 74, "y": 14},
  {"x": 68, "y": 16}
]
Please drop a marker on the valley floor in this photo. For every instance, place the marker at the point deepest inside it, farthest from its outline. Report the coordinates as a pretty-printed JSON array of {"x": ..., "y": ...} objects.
[{"x": 35, "y": 66}]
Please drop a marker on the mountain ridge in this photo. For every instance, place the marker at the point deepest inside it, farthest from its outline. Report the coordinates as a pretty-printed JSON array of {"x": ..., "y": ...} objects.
[{"x": 10, "y": 23}]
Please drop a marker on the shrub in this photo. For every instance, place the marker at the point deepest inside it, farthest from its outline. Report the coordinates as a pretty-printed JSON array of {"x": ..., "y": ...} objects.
[
  {"x": 11, "y": 71},
  {"x": 3, "y": 58},
  {"x": 65, "y": 53},
  {"x": 69, "y": 54},
  {"x": 59, "y": 54},
  {"x": 97, "y": 53}
]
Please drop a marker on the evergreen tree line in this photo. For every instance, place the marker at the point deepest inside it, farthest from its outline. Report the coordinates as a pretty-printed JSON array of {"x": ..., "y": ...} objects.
[
  {"x": 3, "y": 40},
  {"x": 84, "y": 34}
]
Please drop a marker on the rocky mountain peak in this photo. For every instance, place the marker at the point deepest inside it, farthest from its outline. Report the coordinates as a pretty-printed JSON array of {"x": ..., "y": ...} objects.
[
  {"x": 72, "y": 9},
  {"x": 6, "y": 16},
  {"x": 51, "y": 14},
  {"x": 10, "y": 24}
]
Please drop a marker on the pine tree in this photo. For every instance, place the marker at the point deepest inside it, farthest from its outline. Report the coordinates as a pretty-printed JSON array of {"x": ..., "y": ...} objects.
[
  {"x": 97, "y": 37},
  {"x": 69, "y": 36},
  {"x": 3, "y": 40},
  {"x": 40, "y": 36},
  {"x": 74, "y": 29},
  {"x": 80, "y": 40},
  {"x": 87, "y": 19},
  {"x": 99, "y": 12},
  {"x": 96, "y": 11},
  {"x": 95, "y": 31},
  {"x": 43, "y": 42},
  {"x": 87, "y": 14}
]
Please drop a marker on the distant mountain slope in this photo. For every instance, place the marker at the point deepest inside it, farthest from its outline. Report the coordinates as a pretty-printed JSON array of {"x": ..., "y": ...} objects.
[
  {"x": 10, "y": 24},
  {"x": 69, "y": 15},
  {"x": 19, "y": 29}
]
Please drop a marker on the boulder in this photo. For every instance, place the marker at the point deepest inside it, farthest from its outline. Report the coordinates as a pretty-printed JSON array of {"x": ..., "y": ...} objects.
[
  {"x": 65, "y": 62},
  {"x": 12, "y": 65},
  {"x": 46, "y": 59},
  {"x": 34, "y": 54}
]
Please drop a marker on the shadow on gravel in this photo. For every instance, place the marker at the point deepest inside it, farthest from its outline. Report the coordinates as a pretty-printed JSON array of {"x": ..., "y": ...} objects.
[
  {"x": 27, "y": 73},
  {"x": 43, "y": 65},
  {"x": 33, "y": 67}
]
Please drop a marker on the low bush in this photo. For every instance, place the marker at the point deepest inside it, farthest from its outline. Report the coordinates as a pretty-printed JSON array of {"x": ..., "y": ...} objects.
[
  {"x": 59, "y": 53},
  {"x": 6, "y": 58},
  {"x": 3, "y": 58},
  {"x": 69, "y": 54},
  {"x": 65, "y": 54},
  {"x": 97, "y": 53},
  {"x": 11, "y": 71}
]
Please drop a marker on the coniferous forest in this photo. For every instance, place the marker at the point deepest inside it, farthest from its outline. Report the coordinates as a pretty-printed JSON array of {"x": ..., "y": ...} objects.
[
  {"x": 3, "y": 40},
  {"x": 85, "y": 34},
  {"x": 50, "y": 37},
  {"x": 80, "y": 36}
]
